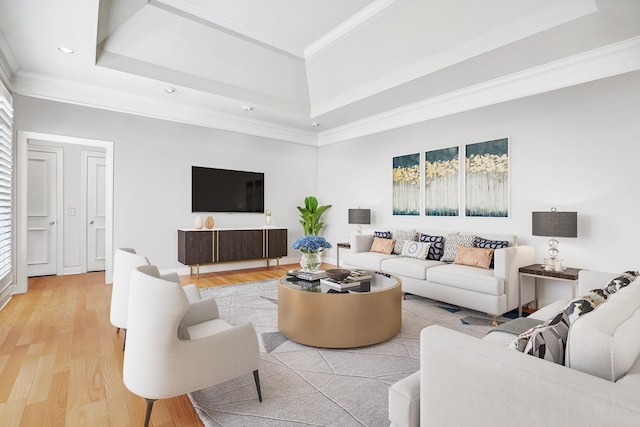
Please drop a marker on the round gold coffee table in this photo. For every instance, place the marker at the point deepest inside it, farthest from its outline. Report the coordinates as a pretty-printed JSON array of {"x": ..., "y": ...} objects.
[{"x": 311, "y": 315}]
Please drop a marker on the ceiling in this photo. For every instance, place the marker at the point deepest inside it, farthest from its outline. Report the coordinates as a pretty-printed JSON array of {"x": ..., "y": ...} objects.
[{"x": 353, "y": 67}]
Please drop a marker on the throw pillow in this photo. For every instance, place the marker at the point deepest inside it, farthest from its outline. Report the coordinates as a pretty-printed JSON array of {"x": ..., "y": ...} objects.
[
  {"x": 402, "y": 236},
  {"x": 436, "y": 246},
  {"x": 451, "y": 243},
  {"x": 418, "y": 250},
  {"x": 493, "y": 244},
  {"x": 384, "y": 246},
  {"x": 474, "y": 257},
  {"x": 550, "y": 339},
  {"x": 382, "y": 234}
]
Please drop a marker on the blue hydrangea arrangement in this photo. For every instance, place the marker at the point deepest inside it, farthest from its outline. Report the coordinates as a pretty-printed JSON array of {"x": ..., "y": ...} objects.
[{"x": 311, "y": 244}]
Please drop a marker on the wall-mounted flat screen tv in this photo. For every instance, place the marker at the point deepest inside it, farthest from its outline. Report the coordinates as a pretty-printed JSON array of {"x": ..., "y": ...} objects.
[{"x": 223, "y": 190}]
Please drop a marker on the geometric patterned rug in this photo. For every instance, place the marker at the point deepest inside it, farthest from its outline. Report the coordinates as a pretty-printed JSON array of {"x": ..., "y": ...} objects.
[{"x": 313, "y": 386}]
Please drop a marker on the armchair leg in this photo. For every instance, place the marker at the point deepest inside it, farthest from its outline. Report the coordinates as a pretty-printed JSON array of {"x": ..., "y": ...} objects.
[
  {"x": 124, "y": 341},
  {"x": 117, "y": 330},
  {"x": 256, "y": 377},
  {"x": 147, "y": 417}
]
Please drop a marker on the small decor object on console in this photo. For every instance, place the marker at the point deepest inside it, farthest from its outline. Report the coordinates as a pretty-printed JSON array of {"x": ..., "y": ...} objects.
[
  {"x": 311, "y": 247},
  {"x": 197, "y": 222},
  {"x": 208, "y": 222},
  {"x": 267, "y": 217}
]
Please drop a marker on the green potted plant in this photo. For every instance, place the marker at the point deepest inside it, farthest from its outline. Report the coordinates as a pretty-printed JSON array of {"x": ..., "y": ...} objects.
[{"x": 310, "y": 215}]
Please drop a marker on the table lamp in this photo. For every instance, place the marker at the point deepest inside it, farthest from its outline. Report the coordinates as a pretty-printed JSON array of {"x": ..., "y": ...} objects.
[
  {"x": 359, "y": 216},
  {"x": 554, "y": 224}
]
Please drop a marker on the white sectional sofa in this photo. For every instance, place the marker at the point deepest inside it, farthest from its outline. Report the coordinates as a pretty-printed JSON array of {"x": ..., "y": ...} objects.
[
  {"x": 493, "y": 291},
  {"x": 465, "y": 381}
]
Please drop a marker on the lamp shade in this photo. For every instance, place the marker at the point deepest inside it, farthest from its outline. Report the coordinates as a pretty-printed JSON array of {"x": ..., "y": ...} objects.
[
  {"x": 555, "y": 224},
  {"x": 359, "y": 216}
]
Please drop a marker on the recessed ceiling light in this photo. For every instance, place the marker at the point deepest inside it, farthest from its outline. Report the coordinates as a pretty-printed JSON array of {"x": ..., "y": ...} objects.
[
  {"x": 247, "y": 108},
  {"x": 315, "y": 124},
  {"x": 170, "y": 89},
  {"x": 66, "y": 50}
]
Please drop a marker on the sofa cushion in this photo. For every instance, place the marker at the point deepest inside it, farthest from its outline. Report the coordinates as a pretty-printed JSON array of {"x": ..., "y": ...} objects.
[
  {"x": 605, "y": 343},
  {"x": 475, "y": 257},
  {"x": 402, "y": 236},
  {"x": 365, "y": 260},
  {"x": 436, "y": 247},
  {"x": 408, "y": 267},
  {"x": 451, "y": 243},
  {"x": 465, "y": 277},
  {"x": 384, "y": 246},
  {"x": 418, "y": 250}
]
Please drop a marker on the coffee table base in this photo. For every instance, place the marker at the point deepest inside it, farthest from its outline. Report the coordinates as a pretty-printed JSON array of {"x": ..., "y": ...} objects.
[{"x": 339, "y": 320}]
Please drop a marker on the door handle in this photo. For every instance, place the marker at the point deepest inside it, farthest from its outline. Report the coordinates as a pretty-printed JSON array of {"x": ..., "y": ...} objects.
[
  {"x": 51, "y": 222},
  {"x": 91, "y": 222}
]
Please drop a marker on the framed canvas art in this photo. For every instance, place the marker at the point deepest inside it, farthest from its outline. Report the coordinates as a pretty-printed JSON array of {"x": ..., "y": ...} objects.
[
  {"x": 406, "y": 184},
  {"x": 442, "y": 182},
  {"x": 487, "y": 178}
]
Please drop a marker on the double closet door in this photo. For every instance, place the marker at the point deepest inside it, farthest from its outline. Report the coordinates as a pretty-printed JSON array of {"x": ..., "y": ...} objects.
[{"x": 65, "y": 211}]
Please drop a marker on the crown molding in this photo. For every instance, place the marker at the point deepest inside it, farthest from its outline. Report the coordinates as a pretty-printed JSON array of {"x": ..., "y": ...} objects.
[
  {"x": 8, "y": 64},
  {"x": 611, "y": 60},
  {"x": 44, "y": 87},
  {"x": 347, "y": 26}
]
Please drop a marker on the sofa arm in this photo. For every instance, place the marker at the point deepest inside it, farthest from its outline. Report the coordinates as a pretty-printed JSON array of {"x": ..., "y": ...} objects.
[
  {"x": 361, "y": 242},
  {"x": 466, "y": 381},
  {"x": 507, "y": 263}
]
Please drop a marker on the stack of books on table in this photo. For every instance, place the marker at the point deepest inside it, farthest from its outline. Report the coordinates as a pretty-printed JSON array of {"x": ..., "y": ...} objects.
[
  {"x": 361, "y": 275},
  {"x": 305, "y": 275},
  {"x": 342, "y": 285}
]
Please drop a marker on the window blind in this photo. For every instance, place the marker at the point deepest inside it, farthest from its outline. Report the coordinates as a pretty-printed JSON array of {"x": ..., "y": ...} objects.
[{"x": 6, "y": 186}]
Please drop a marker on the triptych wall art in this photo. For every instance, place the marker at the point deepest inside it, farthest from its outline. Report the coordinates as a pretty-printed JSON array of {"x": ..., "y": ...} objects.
[{"x": 485, "y": 181}]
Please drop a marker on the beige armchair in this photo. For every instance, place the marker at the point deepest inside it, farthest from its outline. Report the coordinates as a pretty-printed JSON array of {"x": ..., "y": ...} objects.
[
  {"x": 125, "y": 261},
  {"x": 175, "y": 347}
]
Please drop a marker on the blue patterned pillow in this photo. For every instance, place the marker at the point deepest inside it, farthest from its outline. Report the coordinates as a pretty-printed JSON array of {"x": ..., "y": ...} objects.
[
  {"x": 436, "y": 247},
  {"x": 491, "y": 244},
  {"x": 382, "y": 234}
]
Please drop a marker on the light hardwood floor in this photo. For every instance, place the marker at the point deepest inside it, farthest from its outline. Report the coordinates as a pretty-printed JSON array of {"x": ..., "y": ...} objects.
[{"x": 61, "y": 360}]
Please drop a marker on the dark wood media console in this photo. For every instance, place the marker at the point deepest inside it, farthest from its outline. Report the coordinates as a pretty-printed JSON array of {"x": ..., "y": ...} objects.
[{"x": 199, "y": 247}]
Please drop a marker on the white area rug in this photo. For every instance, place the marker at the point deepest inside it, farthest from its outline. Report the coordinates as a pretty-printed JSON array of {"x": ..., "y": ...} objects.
[{"x": 318, "y": 387}]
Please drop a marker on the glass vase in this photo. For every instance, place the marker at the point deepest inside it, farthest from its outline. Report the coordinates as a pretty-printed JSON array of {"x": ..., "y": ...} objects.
[{"x": 311, "y": 262}]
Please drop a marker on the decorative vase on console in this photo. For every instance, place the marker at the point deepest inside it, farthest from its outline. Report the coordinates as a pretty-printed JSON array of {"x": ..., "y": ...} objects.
[
  {"x": 208, "y": 222},
  {"x": 197, "y": 223},
  {"x": 311, "y": 247}
]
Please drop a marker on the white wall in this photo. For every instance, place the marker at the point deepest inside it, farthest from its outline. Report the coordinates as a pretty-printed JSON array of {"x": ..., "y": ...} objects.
[
  {"x": 152, "y": 173},
  {"x": 575, "y": 149}
]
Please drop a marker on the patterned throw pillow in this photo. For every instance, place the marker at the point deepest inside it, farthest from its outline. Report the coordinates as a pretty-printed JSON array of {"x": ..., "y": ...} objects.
[
  {"x": 436, "y": 247},
  {"x": 451, "y": 243},
  {"x": 549, "y": 340},
  {"x": 382, "y": 234},
  {"x": 402, "y": 236},
  {"x": 493, "y": 244},
  {"x": 418, "y": 250}
]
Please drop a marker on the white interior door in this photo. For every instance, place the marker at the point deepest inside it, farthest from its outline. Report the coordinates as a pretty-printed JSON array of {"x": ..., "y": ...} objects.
[
  {"x": 42, "y": 226},
  {"x": 96, "y": 211}
]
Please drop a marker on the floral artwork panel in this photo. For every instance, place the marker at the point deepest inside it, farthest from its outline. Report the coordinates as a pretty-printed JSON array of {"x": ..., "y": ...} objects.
[
  {"x": 487, "y": 178},
  {"x": 406, "y": 184},
  {"x": 442, "y": 182}
]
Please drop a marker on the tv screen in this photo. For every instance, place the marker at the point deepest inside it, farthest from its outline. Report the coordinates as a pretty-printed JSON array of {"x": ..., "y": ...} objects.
[{"x": 223, "y": 190}]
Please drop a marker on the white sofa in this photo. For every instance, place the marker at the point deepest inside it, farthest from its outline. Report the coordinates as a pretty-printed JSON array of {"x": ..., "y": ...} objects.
[
  {"x": 493, "y": 291},
  {"x": 465, "y": 381}
]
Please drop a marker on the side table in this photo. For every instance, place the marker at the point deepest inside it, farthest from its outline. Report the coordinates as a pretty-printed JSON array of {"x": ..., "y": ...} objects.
[
  {"x": 537, "y": 271},
  {"x": 343, "y": 245}
]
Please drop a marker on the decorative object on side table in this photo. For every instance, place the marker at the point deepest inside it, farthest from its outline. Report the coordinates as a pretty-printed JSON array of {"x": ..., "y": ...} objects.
[
  {"x": 554, "y": 224},
  {"x": 359, "y": 217},
  {"x": 311, "y": 247}
]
